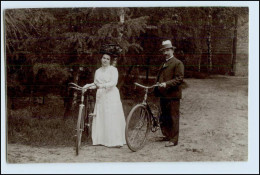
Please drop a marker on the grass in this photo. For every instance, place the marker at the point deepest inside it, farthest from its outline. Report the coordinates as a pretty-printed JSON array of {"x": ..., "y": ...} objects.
[
  {"x": 44, "y": 125},
  {"x": 41, "y": 132},
  {"x": 41, "y": 125}
]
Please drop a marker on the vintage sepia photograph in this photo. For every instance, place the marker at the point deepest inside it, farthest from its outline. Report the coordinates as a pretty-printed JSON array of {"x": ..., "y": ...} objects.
[{"x": 126, "y": 84}]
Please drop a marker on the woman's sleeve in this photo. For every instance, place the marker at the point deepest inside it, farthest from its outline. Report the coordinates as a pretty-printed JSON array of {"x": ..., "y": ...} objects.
[{"x": 113, "y": 80}]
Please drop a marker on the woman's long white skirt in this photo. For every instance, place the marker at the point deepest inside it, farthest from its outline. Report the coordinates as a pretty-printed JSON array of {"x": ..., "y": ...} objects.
[{"x": 108, "y": 127}]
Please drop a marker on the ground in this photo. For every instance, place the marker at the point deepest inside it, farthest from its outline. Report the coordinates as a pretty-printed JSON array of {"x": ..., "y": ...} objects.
[{"x": 213, "y": 127}]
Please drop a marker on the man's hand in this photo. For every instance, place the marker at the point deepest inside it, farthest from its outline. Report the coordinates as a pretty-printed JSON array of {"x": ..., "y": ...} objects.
[{"x": 162, "y": 85}]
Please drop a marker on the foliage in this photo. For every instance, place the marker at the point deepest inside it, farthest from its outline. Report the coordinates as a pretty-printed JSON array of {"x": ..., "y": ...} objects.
[
  {"x": 56, "y": 42},
  {"x": 54, "y": 72},
  {"x": 25, "y": 26},
  {"x": 48, "y": 39}
]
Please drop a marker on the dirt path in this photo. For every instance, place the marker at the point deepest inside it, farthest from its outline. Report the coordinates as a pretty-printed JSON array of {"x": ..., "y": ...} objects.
[{"x": 213, "y": 127}]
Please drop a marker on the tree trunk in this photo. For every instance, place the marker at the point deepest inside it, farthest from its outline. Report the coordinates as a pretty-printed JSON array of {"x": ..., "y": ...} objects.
[
  {"x": 68, "y": 98},
  {"x": 31, "y": 101},
  {"x": 122, "y": 15},
  {"x": 209, "y": 41},
  {"x": 75, "y": 94},
  {"x": 122, "y": 20},
  {"x": 128, "y": 72},
  {"x": 234, "y": 51},
  {"x": 199, "y": 63},
  {"x": 147, "y": 68}
]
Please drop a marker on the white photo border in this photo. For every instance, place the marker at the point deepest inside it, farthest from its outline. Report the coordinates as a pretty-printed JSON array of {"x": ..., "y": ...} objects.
[{"x": 251, "y": 166}]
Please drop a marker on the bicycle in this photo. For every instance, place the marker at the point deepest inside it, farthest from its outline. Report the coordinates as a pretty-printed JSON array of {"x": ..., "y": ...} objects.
[
  {"x": 84, "y": 121},
  {"x": 140, "y": 121}
]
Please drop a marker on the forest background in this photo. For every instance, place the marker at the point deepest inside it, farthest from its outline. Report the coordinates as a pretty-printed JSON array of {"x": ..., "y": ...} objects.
[{"x": 48, "y": 48}]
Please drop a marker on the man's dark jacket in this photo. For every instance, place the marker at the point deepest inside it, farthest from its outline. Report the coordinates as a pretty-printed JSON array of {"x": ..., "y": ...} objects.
[{"x": 172, "y": 73}]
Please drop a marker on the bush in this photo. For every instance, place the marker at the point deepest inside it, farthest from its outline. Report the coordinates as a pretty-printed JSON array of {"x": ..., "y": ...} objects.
[
  {"x": 33, "y": 131},
  {"x": 37, "y": 124}
]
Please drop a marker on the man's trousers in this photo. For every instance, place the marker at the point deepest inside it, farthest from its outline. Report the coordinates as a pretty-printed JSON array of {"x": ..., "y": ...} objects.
[{"x": 169, "y": 119}]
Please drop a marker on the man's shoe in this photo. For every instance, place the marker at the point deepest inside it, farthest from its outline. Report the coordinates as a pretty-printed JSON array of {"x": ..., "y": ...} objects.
[
  {"x": 164, "y": 139},
  {"x": 169, "y": 144}
]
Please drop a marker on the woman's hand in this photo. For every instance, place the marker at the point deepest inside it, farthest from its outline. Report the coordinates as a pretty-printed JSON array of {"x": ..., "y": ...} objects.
[
  {"x": 99, "y": 86},
  {"x": 86, "y": 86},
  {"x": 93, "y": 87},
  {"x": 90, "y": 86}
]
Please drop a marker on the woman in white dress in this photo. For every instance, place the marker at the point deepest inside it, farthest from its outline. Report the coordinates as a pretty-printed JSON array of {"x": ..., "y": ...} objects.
[{"x": 108, "y": 127}]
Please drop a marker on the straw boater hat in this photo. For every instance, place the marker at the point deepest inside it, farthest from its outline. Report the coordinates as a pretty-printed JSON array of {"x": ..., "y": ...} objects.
[{"x": 167, "y": 45}]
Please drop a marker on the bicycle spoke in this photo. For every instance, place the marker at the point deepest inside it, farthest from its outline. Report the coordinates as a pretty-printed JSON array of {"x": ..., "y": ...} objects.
[{"x": 138, "y": 128}]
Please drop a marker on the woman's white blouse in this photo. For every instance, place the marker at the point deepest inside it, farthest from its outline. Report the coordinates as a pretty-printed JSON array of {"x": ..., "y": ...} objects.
[{"x": 106, "y": 77}]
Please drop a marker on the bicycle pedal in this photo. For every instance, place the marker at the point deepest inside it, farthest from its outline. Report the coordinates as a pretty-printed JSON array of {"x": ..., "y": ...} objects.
[{"x": 154, "y": 129}]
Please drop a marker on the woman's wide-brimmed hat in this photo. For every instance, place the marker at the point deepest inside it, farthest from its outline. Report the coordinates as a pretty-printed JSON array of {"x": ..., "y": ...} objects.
[
  {"x": 110, "y": 49},
  {"x": 167, "y": 45}
]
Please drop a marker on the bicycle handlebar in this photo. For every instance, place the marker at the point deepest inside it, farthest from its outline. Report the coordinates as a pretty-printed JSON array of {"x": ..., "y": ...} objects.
[
  {"x": 80, "y": 89},
  {"x": 146, "y": 87},
  {"x": 75, "y": 86}
]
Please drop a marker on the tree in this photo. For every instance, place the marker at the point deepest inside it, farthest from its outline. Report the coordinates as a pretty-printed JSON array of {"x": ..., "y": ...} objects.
[
  {"x": 59, "y": 42},
  {"x": 202, "y": 29},
  {"x": 22, "y": 33}
]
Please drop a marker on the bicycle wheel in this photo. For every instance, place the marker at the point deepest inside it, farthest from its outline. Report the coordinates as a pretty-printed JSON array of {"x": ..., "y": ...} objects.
[
  {"x": 89, "y": 117},
  {"x": 80, "y": 127},
  {"x": 138, "y": 125}
]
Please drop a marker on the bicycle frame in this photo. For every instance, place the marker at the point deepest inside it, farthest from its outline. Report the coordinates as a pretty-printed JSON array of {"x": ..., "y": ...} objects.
[
  {"x": 83, "y": 120},
  {"x": 147, "y": 106}
]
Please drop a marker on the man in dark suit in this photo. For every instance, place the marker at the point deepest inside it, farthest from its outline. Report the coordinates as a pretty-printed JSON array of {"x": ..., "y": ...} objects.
[{"x": 170, "y": 77}]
